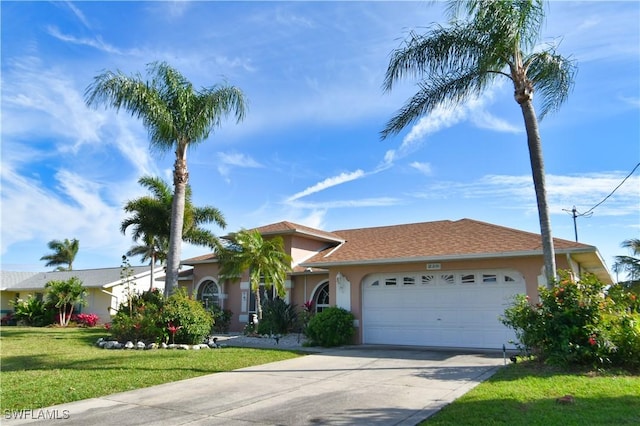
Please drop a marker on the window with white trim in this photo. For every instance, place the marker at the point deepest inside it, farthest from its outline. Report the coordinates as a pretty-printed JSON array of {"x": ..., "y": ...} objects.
[
  {"x": 209, "y": 294},
  {"x": 321, "y": 298}
]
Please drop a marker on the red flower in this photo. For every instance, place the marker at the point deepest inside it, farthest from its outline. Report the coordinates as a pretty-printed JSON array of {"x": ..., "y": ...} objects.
[
  {"x": 108, "y": 326},
  {"x": 173, "y": 330},
  {"x": 592, "y": 340}
]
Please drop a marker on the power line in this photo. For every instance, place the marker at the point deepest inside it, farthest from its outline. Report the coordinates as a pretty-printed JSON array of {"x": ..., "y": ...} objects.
[
  {"x": 612, "y": 192},
  {"x": 575, "y": 214}
]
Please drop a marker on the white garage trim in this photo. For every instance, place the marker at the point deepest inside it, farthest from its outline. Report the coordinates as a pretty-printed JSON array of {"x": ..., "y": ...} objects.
[{"x": 439, "y": 308}]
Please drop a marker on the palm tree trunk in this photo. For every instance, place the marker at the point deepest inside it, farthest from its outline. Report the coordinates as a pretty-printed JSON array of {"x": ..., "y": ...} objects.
[
  {"x": 153, "y": 266},
  {"x": 180, "y": 179},
  {"x": 537, "y": 169}
]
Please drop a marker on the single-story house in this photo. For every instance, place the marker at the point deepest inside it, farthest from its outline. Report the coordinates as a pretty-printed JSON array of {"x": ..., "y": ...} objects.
[
  {"x": 441, "y": 284},
  {"x": 106, "y": 288}
]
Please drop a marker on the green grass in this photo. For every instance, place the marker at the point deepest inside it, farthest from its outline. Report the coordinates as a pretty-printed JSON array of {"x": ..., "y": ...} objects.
[
  {"x": 47, "y": 366},
  {"x": 525, "y": 394}
]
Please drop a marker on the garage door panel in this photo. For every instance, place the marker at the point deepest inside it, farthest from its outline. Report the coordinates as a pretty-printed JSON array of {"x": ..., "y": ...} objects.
[{"x": 448, "y": 313}]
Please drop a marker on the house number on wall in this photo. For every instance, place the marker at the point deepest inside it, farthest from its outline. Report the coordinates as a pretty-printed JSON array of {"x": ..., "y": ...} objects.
[{"x": 433, "y": 266}]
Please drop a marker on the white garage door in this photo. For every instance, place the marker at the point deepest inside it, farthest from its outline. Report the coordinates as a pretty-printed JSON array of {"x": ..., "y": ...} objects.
[{"x": 448, "y": 309}]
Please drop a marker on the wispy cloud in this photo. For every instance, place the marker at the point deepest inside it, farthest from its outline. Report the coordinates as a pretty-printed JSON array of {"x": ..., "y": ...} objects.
[
  {"x": 96, "y": 43},
  {"x": 227, "y": 160},
  {"x": 328, "y": 183},
  {"x": 94, "y": 221},
  {"x": 364, "y": 202},
  {"x": 78, "y": 13},
  {"x": 517, "y": 192},
  {"x": 424, "y": 168}
]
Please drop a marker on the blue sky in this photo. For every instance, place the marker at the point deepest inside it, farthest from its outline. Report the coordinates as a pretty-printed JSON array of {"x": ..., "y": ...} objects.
[{"x": 309, "y": 149}]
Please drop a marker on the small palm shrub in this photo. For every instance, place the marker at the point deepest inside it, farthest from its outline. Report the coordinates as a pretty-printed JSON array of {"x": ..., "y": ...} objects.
[
  {"x": 33, "y": 312},
  {"x": 278, "y": 317},
  {"x": 577, "y": 322},
  {"x": 191, "y": 320},
  {"x": 331, "y": 327}
]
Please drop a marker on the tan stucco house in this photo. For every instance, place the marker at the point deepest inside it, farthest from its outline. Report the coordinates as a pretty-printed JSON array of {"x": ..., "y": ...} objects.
[
  {"x": 106, "y": 289},
  {"x": 441, "y": 284}
]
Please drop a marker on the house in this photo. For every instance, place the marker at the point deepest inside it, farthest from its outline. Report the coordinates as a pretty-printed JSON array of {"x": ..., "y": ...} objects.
[
  {"x": 441, "y": 284},
  {"x": 106, "y": 289}
]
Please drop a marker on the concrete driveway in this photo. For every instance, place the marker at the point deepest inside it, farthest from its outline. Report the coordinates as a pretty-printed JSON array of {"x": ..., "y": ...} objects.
[{"x": 362, "y": 385}]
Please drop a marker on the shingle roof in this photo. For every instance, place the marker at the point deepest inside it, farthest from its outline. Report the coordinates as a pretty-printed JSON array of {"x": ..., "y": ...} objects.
[
  {"x": 105, "y": 277},
  {"x": 279, "y": 228},
  {"x": 440, "y": 239},
  {"x": 284, "y": 228}
]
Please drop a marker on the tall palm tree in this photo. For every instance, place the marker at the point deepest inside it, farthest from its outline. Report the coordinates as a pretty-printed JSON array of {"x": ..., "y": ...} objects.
[
  {"x": 64, "y": 253},
  {"x": 150, "y": 221},
  {"x": 265, "y": 260},
  {"x": 486, "y": 40},
  {"x": 177, "y": 116}
]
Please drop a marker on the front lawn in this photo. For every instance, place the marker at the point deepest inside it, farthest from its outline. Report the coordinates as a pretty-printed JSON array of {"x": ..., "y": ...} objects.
[
  {"x": 47, "y": 366},
  {"x": 526, "y": 393}
]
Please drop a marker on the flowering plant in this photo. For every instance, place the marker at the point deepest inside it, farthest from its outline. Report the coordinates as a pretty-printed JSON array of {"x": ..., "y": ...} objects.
[
  {"x": 173, "y": 330},
  {"x": 87, "y": 320}
]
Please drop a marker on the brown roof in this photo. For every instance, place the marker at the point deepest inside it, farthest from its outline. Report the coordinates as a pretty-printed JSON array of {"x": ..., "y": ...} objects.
[
  {"x": 432, "y": 240},
  {"x": 284, "y": 228}
]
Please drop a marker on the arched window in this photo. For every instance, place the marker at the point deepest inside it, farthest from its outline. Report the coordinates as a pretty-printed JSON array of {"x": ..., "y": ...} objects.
[
  {"x": 321, "y": 298},
  {"x": 209, "y": 294}
]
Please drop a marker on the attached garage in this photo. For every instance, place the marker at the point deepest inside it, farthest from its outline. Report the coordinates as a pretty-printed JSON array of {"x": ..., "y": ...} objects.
[{"x": 457, "y": 309}]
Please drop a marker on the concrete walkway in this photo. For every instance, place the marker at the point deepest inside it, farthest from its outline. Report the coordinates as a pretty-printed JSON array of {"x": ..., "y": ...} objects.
[{"x": 362, "y": 385}]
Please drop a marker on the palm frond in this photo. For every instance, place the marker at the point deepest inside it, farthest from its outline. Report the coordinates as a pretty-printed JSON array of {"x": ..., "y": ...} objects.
[{"x": 552, "y": 76}]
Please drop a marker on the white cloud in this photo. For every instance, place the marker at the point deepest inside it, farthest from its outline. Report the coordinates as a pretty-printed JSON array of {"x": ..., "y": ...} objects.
[
  {"x": 77, "y": 210},
  {"x": 96, "y": 43},
  {"x": 328, "y": 183},
  {"x": 365, "y": 202},
  {"x": 424, "y": 168},
  {"x": 563, "y": 192},
  {"x": 233, "y": 159},
  {"x": 78, "y": 13}
]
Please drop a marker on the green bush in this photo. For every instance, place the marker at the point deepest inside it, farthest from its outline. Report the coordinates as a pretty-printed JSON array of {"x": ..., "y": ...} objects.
[
  {"x": 140, "y": 319},
  {"x": 278, "y": 317},
  {"x": 192, "y": 321},
  {"x": 576, "y": 322},
  {"x": 32, "y": 311},
  {"x": 221, "y": 319},
  {"x": 331, "y": 327}
]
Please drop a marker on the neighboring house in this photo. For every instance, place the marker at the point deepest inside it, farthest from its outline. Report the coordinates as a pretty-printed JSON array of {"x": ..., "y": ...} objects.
[
  {"x": 106, "y": 289},
  {"x": 441, "y": 283}
]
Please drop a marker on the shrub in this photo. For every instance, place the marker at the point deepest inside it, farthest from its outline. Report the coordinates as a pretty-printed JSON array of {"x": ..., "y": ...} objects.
[
  {"x": 575, "y": 322},
  {"x": 140, "y": 319},
  {"x": 193, "y": 320},
  {"x": 221, "y": 318},
  {"x": 278, "y": 317},
  {"x": 32, "y": 312},
  {"x": 86, "y": 320},
  {"x": 331, "y": 327}
]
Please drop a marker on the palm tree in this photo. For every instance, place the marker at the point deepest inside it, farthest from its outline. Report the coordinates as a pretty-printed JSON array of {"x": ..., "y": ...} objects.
[
  {"x": 176, "y": 116},
  {"x": 150, "y": 221},
  {"x": 265, "y": 260},
  {"x": 64, "y": 253},
  {"x": 458, "y": 62},
  {"x": 64, "y": 295},
  {"x": 630, "y": 264}
]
